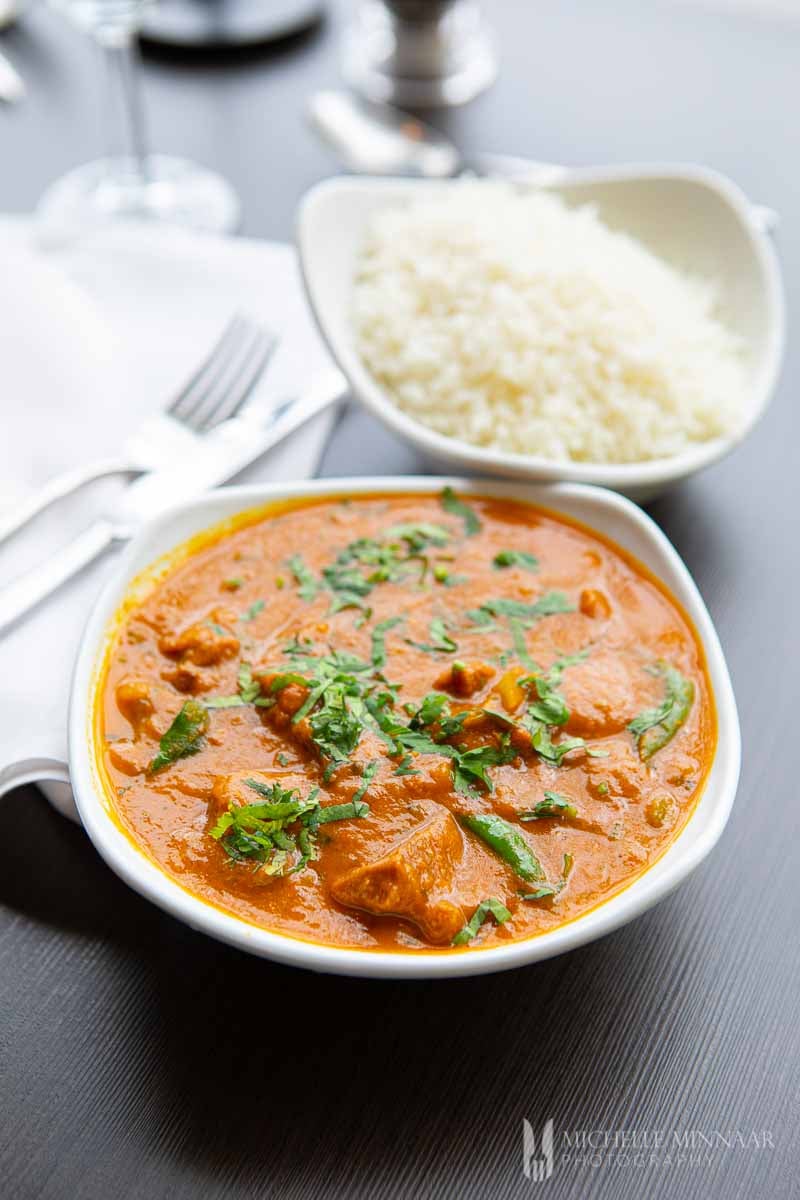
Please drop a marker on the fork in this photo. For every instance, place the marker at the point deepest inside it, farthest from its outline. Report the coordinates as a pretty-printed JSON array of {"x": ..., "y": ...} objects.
[{"x": 213, "y": 394}]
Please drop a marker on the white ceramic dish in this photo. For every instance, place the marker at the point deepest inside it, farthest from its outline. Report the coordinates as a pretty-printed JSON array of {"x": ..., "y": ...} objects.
[
  {"x": 694, "y": 218},
  {"x": 604, "y": 511}
]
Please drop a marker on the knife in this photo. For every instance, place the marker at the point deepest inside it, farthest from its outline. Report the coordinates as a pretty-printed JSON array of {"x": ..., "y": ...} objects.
[
  {"x": 223, "y": 453},
  {"x": 12, "y": 87}
]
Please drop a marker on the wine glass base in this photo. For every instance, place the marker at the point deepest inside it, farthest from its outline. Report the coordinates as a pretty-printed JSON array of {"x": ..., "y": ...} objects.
[
  {"x": 171, "y": 192},
  {"x": 212, "y": 24}
]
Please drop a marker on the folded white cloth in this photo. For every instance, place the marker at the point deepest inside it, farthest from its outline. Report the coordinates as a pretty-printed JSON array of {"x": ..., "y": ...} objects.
[{"x": 92, "y": 340}]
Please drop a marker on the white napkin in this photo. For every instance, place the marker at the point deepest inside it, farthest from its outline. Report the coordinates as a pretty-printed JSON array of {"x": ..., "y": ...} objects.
[{"x": 91, "y": 340}]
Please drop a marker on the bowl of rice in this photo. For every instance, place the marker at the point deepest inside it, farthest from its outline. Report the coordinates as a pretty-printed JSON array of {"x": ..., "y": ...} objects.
[{"x": 624, "y": 328}]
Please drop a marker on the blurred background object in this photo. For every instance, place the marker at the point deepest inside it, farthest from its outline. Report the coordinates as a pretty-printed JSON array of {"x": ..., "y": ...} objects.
[
  {"x": 8, "y": 12},
  {"x": 12, "y": 87},
  {"x": 130, "y": 184},
  {"x": 419, "y": 53},
  {"x": 218, "y": 24}
]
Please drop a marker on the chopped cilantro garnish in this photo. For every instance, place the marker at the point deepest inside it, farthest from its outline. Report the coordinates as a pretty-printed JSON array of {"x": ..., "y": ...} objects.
[
  {"x": 183, "y": 738},
  {"x": 263, "y": 831},
  {"x": 253, "y": 611},
  {"x": 553, "y": 805},
  {"x": 440, "y": 643},
  {"x": 457, "y": 508},
  {"x": 249, "y": 690},
  {"x": 445, "y": 576},
  {"x": 339, "y": 812},
  {"x": 368, "y": 773},
  {"x": 379, "y": 640},
  {"x": 545, "y": 606},
  {"x": 656, "y": 727},
  {"x": 304, "y": 577},
  {"x": 470, "y": 766},
  {"x": 404, "y": 767},
  {"x": 516, "y": 558},
  {"x": 486, "y": 908},
  {"x": 546, "y": 890}
]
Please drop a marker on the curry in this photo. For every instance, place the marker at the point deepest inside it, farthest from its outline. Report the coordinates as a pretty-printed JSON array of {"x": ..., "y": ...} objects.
[{"x": 406, "y": 722}]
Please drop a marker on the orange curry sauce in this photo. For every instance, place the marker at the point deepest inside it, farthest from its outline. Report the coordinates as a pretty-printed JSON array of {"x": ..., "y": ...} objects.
[{"x": 521, "y": 628}]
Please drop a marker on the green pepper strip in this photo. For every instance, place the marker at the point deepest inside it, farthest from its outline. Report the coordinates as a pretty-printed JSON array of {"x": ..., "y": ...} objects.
[{"x": 507, "y": 842}]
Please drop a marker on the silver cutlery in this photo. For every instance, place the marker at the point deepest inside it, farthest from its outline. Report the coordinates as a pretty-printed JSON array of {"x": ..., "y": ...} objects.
[
  {"x": 213, "y": 394},
  {"x": 12, "y": 87},
  {"x": 379, "y": 139},
  {"x": 217, "y": 457}
]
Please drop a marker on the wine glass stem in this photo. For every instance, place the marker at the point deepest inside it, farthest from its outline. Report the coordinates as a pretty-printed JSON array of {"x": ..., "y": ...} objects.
[{"x": 127, "y": 130}]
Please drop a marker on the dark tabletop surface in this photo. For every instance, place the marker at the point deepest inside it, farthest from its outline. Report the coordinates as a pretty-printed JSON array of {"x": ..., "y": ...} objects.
[{"x": 139, "y": 1059}]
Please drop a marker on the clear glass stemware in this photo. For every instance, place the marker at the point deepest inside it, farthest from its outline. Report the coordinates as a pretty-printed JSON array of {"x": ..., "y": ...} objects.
[{"x": 131, "y": 184}]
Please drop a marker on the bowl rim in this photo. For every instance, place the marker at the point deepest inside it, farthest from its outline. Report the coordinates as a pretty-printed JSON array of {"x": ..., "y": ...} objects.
[
  {"x": 149, "y": 880},
  {"x": 624, "y": 476}
]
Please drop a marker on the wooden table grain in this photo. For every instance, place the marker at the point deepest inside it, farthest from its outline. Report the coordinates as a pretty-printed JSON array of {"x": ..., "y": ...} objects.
[{"x": 141, "y": 1060}]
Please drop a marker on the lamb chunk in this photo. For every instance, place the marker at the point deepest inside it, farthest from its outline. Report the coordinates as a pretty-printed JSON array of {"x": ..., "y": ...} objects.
[
  {"x": 135, "y": 702},
  {"x": 149, "y": 710},
  {"x": 130, "y": 757},
  {"x": 600, "y": 695},
  {"x": 412, "y": 880},
  {"x": 621, "y": 769},
  {"x": 464, "y": 679},
  {"x": 205, "y": 643},
  {"x": 560, "y": 635},
  {"x": 595, "y": 604},
  {"x": 192, "y": 681},
  {"x": 288, "y": 702}
]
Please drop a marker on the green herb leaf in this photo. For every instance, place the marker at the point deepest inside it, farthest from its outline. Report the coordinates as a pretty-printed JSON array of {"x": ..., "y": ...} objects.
[
  {"x": 545, "y": 747},
  {"x": 457, "y": 508},
  {"x": 516, "y": 558},
  {"x": 404, "y": 767},
  {"x": 280, "y": 825},
  {"x": 250, "y": 613},
  {"x": 470, "y": 766},
  {"x": 440, "y": 643},
  {"x": 340, "y": 812},
  {"x": 224, "y": 701},
  {"x": 486, "y": 908},
  {"x": 304, "y": 577},
  {"x": 546, "y": 606},
  {"x": 445, "y": 576},
  {"x": 249, "y": 688},
  {"x": 553, "y": 805},
  {"x": 654, "y": 728},
  {"x": 379, "y": 640},
  {"x": 547, "y": 890},
  {"x": 368, "y": 773},
  {"x": 183, "y": 738},
  {"x": 520, "y": 643},
  {"x": 507, "y": 842},
  {"x": 418, "y": 536}
]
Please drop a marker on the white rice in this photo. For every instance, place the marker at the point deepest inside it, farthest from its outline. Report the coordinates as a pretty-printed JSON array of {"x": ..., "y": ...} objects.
[{"x": 509, "y": 320}]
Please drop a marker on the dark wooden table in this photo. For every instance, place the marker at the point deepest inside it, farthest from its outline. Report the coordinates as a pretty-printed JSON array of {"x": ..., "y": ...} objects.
[{"x": 138, "y": 1059}]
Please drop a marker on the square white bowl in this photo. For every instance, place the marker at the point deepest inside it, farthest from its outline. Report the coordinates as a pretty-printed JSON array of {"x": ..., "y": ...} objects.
[
  {"x": 695, "y": 219},
  {"x": 607, "y": 513}
]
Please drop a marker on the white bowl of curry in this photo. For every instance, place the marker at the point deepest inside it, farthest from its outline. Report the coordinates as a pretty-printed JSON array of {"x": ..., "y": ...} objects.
[{"x": 403, "y": 727}]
